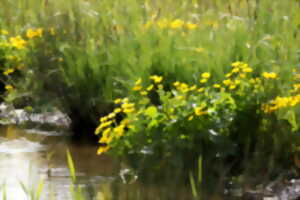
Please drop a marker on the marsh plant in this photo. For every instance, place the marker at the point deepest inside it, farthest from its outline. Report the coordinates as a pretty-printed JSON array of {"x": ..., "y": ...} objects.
[
  {"x": 80, "y": 55},
  {"x": 241, "y": 119},
  {"x": 212, "y": 78}
]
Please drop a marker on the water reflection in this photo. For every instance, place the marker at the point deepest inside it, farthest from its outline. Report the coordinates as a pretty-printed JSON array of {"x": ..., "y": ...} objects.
[{"x": 29, "y": 156}]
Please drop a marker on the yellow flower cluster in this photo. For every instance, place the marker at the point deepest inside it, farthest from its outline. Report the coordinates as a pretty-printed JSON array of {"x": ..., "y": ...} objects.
[
  {"x": 32, "y": 33},
  {"x": 239, "y": 68},
  {"x": 138, "y": 85},
  {"x": 281, "y": 102},
  {"x": 238, "y": 81},
  {"x": 269, "y": 75},
  {"x": 238, "y": 72},
  {"x": 17, "y": 42},
  {"x": 296, "y": 87},
  {"x": 108, "y": 126},
  {"x": 183, "y": 87},
  {"x": 175, "y": 24},
  {"x": 156, "y": 79},
  {"x": 8, "y": 71},
  {"x": 205, "y": 76}
]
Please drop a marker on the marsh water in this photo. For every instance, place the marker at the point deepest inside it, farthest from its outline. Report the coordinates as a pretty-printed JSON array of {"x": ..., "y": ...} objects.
[{"x": 33, "y": 157}]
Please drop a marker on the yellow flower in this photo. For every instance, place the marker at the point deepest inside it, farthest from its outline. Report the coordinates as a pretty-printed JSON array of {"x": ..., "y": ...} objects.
[
  {"x": 177, "y": 24},
  {"x": 8, "y": 71},
  {"x": 17, "y": 42},
  {"x": 183, "y": 87},
  {"x": 128, "y": 110},
  {"x": 296, "y": 86},
  {"x": 105, "y": 139},
  {"x": 190, "y": 118},
  {"x": 118, "y": 101},
  {"x": 127, "y": 105},
  {"x": 97, "y": 131},
  {"x": 150, "y": 87},
  {"x": 191, "y": 26},
  {"x": 245, "y": 65},
  {"x": 119, "y": 130},
  {"x": 105, "y": 124},
  {"x": 271, "y": 75},
  {"x": 138, "y": 82},
  {"x": 199, "y": 111},
  {"x": 205, "y": 75},
  {"x": 228, "y": 75},
  {"x": 247, "y": 70},
  {"x": 242, "y": 75},
  {"x": 156, "y": 79},
  {"x": 235, "y": 70},
  {"x": 102, "y": 150},
  {"x": 103, "y": 119},
  {"x": 106, "y": 131},
  {"x": 203, "y": 80},
  {"x": 137, "y": 88},
  {"x": 125, "y": 100},
  {"x": 236, "y": 64},
  {"x": 111, "y": 115},
  {"x": 31, "y": 33},
  {"x": 227, "y": 82},
  {"x": 232, "y": 87},
  {"x": 117, "y": 110},
  {"x": 176, "y": 84},
  {"x": 9, "y": 87},
  {"x": 217, "y": 86}
]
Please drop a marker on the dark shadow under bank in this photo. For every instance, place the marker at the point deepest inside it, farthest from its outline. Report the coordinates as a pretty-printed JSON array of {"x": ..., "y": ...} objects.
[{"x": 83, "y": 129}]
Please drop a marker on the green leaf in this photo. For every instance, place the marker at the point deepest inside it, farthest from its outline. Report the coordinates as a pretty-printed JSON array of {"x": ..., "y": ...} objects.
[
  {"x": 291, "y": 118},
  {"x": 153, "y": 123},
  {"x": 151, "y": 111}
]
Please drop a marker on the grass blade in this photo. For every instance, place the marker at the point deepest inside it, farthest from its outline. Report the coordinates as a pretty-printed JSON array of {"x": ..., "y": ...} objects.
[
  {"x": 39, "y": 189},
  {"x": 193, "y": 186},
  {"x": 71, "y": 166},
  {"x": 200, "y": 170}
]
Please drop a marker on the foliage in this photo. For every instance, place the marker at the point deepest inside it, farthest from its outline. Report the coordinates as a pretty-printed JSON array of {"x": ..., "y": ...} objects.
[
  {"x": 230, "y": 119},
  {"x": 80, "y": 55},
  {"x": 89, "y": 51}
]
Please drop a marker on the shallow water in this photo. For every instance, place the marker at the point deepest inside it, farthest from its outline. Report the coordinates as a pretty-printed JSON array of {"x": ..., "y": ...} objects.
[{"x": 30, "y": 156}]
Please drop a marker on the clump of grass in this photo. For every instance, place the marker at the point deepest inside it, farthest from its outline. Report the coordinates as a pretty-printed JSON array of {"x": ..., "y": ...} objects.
[{"x": 96, "y": 51}]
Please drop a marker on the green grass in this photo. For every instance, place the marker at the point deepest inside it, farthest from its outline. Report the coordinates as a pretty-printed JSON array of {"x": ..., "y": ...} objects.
[
  {"x": 105, "y": 48},
  {"x": 102, "y": 47},
  {"x": 98, "y": 56}
]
